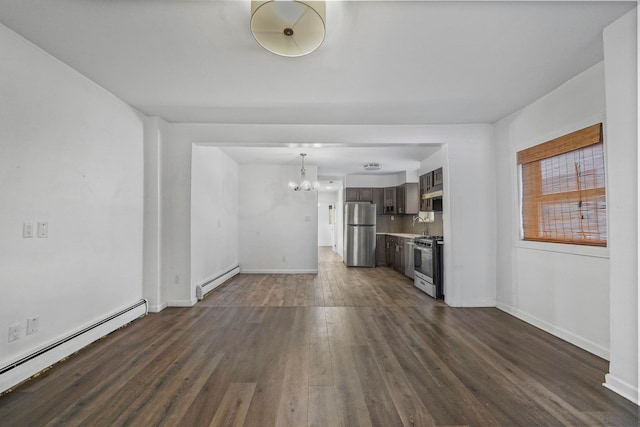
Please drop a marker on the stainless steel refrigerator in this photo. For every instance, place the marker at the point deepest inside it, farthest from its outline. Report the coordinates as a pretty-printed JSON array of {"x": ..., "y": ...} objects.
[{"x": 360, "y": 234}]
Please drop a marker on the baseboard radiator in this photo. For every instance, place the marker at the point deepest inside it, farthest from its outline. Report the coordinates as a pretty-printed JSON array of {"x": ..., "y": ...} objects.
[
  {"x": 24, "y": 368},
  {"x": 208, "y": 286}
]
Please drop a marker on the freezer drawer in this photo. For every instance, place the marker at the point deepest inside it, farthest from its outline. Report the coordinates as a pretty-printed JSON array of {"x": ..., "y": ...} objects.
[{"x": 360, "y": 246}]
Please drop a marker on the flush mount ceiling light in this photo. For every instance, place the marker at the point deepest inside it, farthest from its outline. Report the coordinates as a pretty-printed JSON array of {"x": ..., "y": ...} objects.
[
  {"x": 304, "y": 184},
  {"x": 372, "y": 166},
  {"x": 288, "y": 28}
]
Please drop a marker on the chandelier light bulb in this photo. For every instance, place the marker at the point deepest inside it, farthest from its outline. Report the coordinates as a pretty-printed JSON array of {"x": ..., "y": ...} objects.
[{"x": 304, "y": 184}]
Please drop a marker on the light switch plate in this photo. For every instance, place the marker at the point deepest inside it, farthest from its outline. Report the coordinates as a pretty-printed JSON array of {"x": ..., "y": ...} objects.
[
  {"x": 14, "y": 332},
  {"x": 33, "y": 323},
  {"x": 43, "y": 229},
  {"x": 27, "y": 229}
]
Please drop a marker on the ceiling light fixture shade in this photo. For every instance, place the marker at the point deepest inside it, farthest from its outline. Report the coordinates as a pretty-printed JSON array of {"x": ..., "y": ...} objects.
[
  {"x": 288, "y": 28},
  {"x": 304, "y": 184}
]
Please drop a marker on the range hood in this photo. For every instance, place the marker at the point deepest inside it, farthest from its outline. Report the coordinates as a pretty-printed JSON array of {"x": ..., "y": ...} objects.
[{"x": 433, "y": 193}]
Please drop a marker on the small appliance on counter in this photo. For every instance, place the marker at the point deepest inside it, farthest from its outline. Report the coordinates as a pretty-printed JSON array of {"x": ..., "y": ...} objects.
[
  {"x": 360, "y": 234},
  {"x": 428, "y": 265}
]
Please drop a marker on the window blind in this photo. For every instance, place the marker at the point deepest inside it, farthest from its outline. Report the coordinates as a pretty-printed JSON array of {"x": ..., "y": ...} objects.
[{"x": 563, "y": 189}]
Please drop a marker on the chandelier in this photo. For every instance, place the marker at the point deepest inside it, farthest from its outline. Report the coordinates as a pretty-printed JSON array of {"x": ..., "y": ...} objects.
[
  {"x": 304, "y": 183},
  {"x": 288, "y": 28}
]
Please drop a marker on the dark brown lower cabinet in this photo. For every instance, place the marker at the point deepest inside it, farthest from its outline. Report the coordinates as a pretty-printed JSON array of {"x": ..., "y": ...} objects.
[{"x": 381, "y": 250}]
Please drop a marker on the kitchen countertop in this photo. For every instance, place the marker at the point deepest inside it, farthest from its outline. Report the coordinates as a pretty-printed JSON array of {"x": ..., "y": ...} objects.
[{"x": 403, "y": 235}]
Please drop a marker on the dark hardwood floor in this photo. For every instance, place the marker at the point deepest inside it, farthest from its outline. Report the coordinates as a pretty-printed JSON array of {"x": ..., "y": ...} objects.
[{"x": 346, "y": 347}]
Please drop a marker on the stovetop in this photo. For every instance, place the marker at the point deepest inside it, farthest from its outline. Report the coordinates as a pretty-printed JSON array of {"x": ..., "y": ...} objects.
[{"x": 428, "y": 239}]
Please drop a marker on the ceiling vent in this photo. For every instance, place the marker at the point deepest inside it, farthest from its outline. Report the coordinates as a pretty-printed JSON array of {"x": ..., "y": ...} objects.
[{"x": 372, "y": 166}]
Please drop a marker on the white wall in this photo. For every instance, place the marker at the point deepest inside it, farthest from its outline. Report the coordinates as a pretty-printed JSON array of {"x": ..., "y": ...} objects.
[
  {"x": 468, "y": 216},
  {"x": 153, "y": 290},
  {"x": 72, "y": 156},
  {"x": 469, "y": 221},
  {"x": 214, "y": 214},
  {"x": 175, "y": 216},
  {"x": 621, "y": 81},
  {"x": 278, "y": 226},
  {"x": 563, "y": 289},
  {"x": 380, "y": 181},
  {"x": 433, "y": 162}
]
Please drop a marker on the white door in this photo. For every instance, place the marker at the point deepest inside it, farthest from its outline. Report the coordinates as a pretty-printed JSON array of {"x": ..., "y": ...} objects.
[{"x": 325, "y": 226}]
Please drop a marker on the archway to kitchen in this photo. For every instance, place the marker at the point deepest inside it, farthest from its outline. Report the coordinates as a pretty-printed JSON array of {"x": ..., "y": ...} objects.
[{"x": 278, "y": 230}]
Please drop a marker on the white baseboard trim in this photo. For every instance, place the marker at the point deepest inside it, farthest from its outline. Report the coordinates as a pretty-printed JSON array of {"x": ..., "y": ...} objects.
[
  {"x": 621, "y": 387},
  {"x": 157, "y": 308},
  {"x": 570, "y": 337},
  {"x": 213, "y": 282},
  {"x": 479, "y": 303},
  {"x": 182, "y": 302},
  {"x": 311, "y": 271},
  {"x": 30, "y": 364}
]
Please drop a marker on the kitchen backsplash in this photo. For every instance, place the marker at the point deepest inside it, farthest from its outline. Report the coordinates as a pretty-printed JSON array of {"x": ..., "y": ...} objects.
[{"x": 404, "y": 224}]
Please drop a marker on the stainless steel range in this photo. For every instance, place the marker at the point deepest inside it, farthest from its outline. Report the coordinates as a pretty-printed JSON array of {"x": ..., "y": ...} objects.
[{"x": 428, "y": 266}]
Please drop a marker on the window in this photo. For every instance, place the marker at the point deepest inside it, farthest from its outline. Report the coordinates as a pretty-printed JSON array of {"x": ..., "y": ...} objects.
[{"x": 563, "y": 196}]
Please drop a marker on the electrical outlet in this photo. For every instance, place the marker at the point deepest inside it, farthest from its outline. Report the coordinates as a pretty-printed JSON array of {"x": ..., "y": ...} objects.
[
  {"x": 284, "y": 259},
  {"x": 27, "y": 229},
  {"x": 43, "y": 230},
  {"x": 14, "y": 332},
  {"x": 32, "y": 324}
]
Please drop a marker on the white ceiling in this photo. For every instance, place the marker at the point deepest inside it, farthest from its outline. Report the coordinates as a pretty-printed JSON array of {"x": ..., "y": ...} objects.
[
  {"x": 382, "y": 62},
  {"x": 336, "y": 160}
]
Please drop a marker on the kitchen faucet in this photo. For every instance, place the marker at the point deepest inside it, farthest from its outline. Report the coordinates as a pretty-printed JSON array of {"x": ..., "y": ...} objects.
[{"x": 423, "y": 220}]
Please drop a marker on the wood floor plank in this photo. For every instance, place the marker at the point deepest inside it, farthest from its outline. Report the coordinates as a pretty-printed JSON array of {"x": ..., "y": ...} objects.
[
  {"x": 346, "y": 347},
  {"x": 269, "y": 385},
  {"x": 323, "y": 409},
  {"x": 125, "y": 401},
  {"x": 230, "y": 339},
  {"x": 293, "y": 406},
  {"x": 172, "y": 409},
  {"x": 77, "y": 400},
  {"x": 411, "y": 410},
  {"x": 233, "y": 409},
  {"x": 433, "y": 382},
  {"x": 382, "y": 410},
  {"x": 266, "y": 399},
  {"x": 491, "y": 388},
  {"x": 320, "y": 363},
  {"x": 534, "y": 390},
  {"x": 352, "y": 407}
]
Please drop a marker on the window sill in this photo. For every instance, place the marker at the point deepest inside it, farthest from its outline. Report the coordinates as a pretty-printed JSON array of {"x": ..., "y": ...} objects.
[{"x": 590, "y": 251}]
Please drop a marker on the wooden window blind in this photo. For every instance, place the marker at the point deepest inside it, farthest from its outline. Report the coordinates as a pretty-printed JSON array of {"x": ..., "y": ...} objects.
[{"x": 563, "y": 189}]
